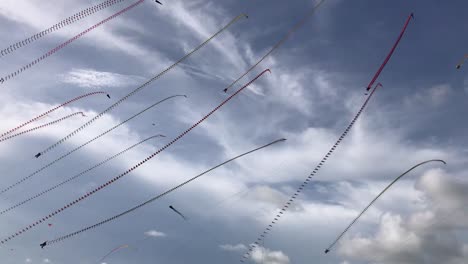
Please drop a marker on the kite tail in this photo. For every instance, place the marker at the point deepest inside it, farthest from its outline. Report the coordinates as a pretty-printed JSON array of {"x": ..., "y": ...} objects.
[
  {"x": 375, "y": 199},
  {"x": 54, "y": 50},
  {"x": 391, "y": 52},
  {"x": 317, "y": 168},
  {"x": 50, "y": 111},
  {"x": 41, "y": 126},
  {"x": 139, "y": 88},
  {"x": 70, "y": 20}
]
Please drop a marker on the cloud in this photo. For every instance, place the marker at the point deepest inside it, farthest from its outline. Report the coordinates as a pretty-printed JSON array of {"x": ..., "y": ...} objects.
[
  {"x": 28, "y": 260},
  {"x": 263, "y": 255},
  {"x": 46, "y": 260},
  {"x": 234, "y": 248},
  {"x": 89, "y": 78},
  {"x": 154, "y": 233}
]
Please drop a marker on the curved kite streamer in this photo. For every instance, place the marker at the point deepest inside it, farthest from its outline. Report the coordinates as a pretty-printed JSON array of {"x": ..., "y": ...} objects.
[
  {"x": 113, "y": 251},
  {"x": 298, "y": 190},
  {"x": 84, "y": 144},
  {"x": 390, "y": 53},
  {"x": 52, "y": 110},
  {"x": 77, "y": 175},
  {"x": 375, "y": 199},
  {"x": 70, "y": 20},
  {"x": 41, "y": 126},
  {"x": 138, "y": 88},
  {"x": 280, "y": 42},
  {"x": 462, "y": 61},
  {"x": 158, "y": 196},
  {"x": 52, "y": 51},
  {"x": 129, "y": 170}
]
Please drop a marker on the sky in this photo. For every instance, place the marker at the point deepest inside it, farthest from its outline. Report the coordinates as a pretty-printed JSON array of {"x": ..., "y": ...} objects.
[{"x": 316, "y": 86}]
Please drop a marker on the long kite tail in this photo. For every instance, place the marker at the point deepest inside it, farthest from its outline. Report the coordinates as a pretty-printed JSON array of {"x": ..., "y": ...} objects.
[
  {"x": 160, "y": 195},
  {"x": 131, "y": 169},
  {"x": 76, "y": 176},
  {"x": 375, "y": 199},
  {"x": 50, "y": 111},
  {"x": 70, "y": 20},
  {"x": 390, "y": 53},
  {"x": 112, "y": 251},
  {"x": 280, "y": 42},
  {"x": 54, "y": 50},
  {"x": 306, "y": 181},
  {"x": 138, "y": 88},
  {"x": 41, "y": 126},
  {"x": 84, "y": 144}
]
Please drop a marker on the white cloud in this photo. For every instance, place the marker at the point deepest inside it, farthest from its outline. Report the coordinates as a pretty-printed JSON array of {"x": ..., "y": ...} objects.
[
  {"x": 28, "y": 260},
  {"x": 89, "y": 78},
  {"x": 154, "y": 233},
  {"x": 234, "y": 248},
  {"x": 263, "y": 255},
  {"x": 46, "y": 260}
]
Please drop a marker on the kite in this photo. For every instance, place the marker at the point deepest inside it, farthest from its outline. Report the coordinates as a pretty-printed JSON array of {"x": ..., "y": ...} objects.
[
  {"x": 82, "y": 14},
  {"x": 112, "y": 251},
  {"x": 280, "y": 42},
  {"x": 158, "y": 196},
  {"x": 177, "y": 212},
  {"x": 52, "y": 110},
  {"x": 139, "y": 88},
  {"x": 41, "y": 126},
  {"x": 158, "y": 2},
  {"x": 462, "y": 61},
  {"x": 52, "y": 51},
  {"x": 39, "y": 221},
  {"x": 77, "y": 175},
  {"x": 306, "y": 181},
  {"x": 84, "y": 144},
  {"x": 390, "y": 53},
  {"x": 372, "y": 202},
  {"x": 376, "y": 86}
]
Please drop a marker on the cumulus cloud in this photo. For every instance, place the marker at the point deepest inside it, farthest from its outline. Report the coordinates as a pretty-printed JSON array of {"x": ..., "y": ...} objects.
[
  {"x": 234, "y": 248},
  {"x": 154, "y": 233},
  {"x": 89, "y": 78}
]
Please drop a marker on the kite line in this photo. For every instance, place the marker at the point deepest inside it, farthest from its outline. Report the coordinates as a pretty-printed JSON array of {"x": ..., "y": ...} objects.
[
  {"x": 41, "y": 126},
  {"x": 52, "y": 110},
  {"x": 77, "y": 175},
  {"x": 390, "y": 53},
  {"x": 138, "y": 88},
  {"x": 19, "y": 232},
  {"x": 52, "y": 51},
  {"x": 280, "y": 42},
  {"x": 298, "y": 190},
  {"x": 375, "y": 199},
  {"x": 70, "y": 20},
  {"x": 158, "y": 196},
  {"x": 84, "y": 144}
]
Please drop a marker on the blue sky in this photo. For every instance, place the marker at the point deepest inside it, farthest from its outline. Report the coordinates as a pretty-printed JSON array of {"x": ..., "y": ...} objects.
[{"x": 316, "y": 86}]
